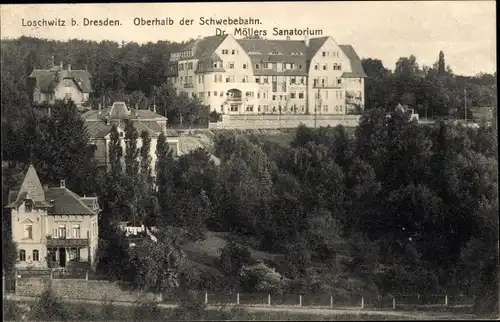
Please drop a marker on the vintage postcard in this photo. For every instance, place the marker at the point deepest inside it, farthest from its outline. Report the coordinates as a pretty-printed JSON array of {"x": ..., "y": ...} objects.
[{"x": 250, "y": 160}]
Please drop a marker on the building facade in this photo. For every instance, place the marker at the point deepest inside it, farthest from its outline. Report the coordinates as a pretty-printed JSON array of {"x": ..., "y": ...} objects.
[
  {"x": 260, "y": 76},
  {"x": 99, "y": 124},
  {"x": 53, "y": 227},
  {"x": 57, "y": 83}
]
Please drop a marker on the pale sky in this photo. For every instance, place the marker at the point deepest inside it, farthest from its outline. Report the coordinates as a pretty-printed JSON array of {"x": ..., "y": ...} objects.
[{"x": 464, "y": 30}]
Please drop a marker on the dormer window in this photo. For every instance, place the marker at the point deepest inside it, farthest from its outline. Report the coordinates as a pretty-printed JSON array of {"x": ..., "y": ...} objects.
[
  {"x": 28, "y": 205},
  {"x": 274, "y": 53}
]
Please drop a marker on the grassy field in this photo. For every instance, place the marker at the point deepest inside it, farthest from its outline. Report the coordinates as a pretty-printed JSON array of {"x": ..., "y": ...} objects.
[
  {"x": 13, "y": 311},
  {"x": 207, "y": 252}
]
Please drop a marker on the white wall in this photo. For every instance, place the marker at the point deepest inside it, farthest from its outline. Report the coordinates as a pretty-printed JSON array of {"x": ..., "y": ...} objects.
[
  {"x": 69, "y": 86},
  {"x": 37, "y": 219},
  {"x": 334, "y": 95}
]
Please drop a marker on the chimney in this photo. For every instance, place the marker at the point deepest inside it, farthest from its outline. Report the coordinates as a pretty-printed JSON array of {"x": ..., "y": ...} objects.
[
  {"x": 136, "y": 109},
  {"x": 86, "y": 67},
  {"x": 63, "y": 184},
  {"x": 45, "y": 187},
  {"x": 99, "y": 109},
  {"x": 61, "y": 65},
  {"x": 52, "y": 62},
  {"x": 69, "y": 66},
  {"x": 306, "y": 41},
  {"x": 107, "y": 119}
]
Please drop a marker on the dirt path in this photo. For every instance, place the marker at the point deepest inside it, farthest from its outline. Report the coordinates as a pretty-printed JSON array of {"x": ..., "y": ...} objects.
[{"x": 290, "y": 309}]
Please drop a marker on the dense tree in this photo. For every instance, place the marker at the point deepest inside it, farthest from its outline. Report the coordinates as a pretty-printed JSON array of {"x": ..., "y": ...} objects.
[{"x": 154, "y": 265}]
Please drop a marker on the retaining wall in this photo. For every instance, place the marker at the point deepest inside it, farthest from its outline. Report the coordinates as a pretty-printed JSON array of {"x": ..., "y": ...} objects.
[
  {"x": 283, "y": 121},
  {"x": 81, "y": 289}
]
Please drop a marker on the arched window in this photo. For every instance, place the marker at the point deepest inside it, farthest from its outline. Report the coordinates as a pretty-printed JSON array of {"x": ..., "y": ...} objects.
[
  {"x": 22, "y": 255},
  {"x": 28, "y": 205},
  {"x": 35, "y": 255}
]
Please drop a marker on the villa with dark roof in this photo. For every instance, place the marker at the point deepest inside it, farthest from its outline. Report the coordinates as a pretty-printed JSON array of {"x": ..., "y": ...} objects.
[
  {"x": 99, "y": 123},
  {"x": 58, "y": 83},
  {"x": 53, "y": 226},
  {"x": 260, "y": 76}
]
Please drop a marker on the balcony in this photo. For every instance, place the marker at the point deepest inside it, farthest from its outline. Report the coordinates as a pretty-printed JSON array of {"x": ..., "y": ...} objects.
[
  {"x": 353, "y": 100},
  {"x": 67, "y": 242},
  {"x": 235, "y": 99},
  {"x": 318, "y": 85},
  {"x": 234, "y": 95},
  {"x": 188, "y": 85}
]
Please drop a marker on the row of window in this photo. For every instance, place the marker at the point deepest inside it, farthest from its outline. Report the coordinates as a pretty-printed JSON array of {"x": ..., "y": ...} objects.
[
  {"x": 74, "y": 253},
  {"x": 294, "y": 108},
  {"x": 330, "y": 53},
  {"x": 35, "y": 258},
  {"x": 60, "y": 232},
  {"x": 337, "y": 108},
  {"x": 293, "y": 95},
  {"x": 293, "y": 80},
  {"x": 176, "y": 56},
  {"x": 233, "y": 51},
  {"x": 324, "y": 82},
  {"x": 325, "y": 67},
  {"x": 231, "y": 65}
]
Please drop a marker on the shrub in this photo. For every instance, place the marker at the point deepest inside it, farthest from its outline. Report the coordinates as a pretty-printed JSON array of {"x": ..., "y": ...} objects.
[
  {"x": 191, "y": 307},
  {"x": 147, "y": 310},
  {"x": 11, "y": 311},
  {"x": 261, "y": 278},
  {"x": 49, "y": 307}
]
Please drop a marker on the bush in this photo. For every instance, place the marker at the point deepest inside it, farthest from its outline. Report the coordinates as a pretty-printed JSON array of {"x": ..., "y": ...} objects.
[
  {"x": 147, "y": 310},
  {"x": 49, "y": 307},
  {"x": 232, "y": 260},
  {"x": 261, "y": 278},
  {"x": 191, "y": 307},
  {"x": 11, "y": 311}
]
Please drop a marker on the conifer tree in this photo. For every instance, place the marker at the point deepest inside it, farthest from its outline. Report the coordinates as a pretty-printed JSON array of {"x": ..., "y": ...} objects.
[
  {"x": 441, "y": 63},
  {"x": 145, "y": 153},
  {"x": 115, "y": 151},
  {"x": 131, "y": 150}
]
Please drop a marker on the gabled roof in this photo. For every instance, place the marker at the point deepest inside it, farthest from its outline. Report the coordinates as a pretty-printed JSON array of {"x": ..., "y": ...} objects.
[
  {"x": 314, "y": 45},
  {"x": 266, "y": 47},
  {"x": 263, "y": 51},
  {"x": 356, "y": 67},
  {"x": 98, "y": 129},
  {"x": 204, "y": 48},
  {"x": 47, "y": 80},
  {"x": 67, "y": 202}
]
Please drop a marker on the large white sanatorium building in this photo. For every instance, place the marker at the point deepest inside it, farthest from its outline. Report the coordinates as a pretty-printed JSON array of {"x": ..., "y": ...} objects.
[{"x": 260, "y": 76}]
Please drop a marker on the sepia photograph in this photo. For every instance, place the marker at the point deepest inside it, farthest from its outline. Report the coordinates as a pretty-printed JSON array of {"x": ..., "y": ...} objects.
[{"x": 249, "y": 161}]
